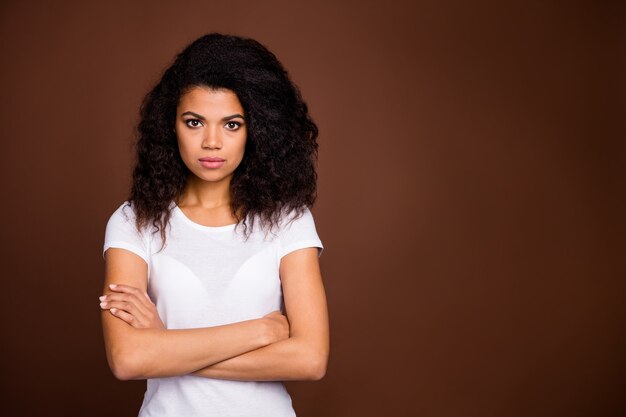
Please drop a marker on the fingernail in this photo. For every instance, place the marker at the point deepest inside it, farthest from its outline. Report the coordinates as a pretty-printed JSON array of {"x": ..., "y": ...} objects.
[
  {"x": 102, "y": 298},
  {"x": 103, "y": 305},
  {"x": 113, "y": 310},
  {"x": 112, "y": 286}
]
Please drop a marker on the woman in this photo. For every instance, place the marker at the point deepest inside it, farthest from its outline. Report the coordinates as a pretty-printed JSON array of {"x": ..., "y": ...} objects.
[{"x": 216, "y": 240}]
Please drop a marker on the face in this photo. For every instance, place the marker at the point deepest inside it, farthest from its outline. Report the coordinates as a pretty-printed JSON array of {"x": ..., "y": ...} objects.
[{"x": 211, "y": 131}]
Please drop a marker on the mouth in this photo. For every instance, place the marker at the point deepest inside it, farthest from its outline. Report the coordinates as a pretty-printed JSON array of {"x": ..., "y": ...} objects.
[{"x": 211, "y": 162}]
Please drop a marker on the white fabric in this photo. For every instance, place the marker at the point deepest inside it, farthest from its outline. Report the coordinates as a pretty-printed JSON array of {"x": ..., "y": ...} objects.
[{"x": 209, "y": 276}]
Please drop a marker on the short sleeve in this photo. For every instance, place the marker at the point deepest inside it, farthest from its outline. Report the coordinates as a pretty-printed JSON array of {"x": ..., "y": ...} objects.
[
  {"x": 122, "y": 233},
  {"x": 298, "y": 234}
]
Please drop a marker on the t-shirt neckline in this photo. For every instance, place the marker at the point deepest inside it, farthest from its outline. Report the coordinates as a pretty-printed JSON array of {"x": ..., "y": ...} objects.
[{"x": 199, "y": 226}]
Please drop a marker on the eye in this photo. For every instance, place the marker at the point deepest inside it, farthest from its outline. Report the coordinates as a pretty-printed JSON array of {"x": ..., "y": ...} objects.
[
  {"x": 231, "y": 125},
  {"x": 193, "y": 123}
]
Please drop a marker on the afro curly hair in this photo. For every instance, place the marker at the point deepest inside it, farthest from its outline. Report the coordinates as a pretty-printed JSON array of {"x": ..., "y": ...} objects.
[{"x": 277, "y": 174}]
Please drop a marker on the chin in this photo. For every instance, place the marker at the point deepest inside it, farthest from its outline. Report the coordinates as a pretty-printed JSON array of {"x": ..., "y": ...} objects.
[{"x": 213, "y": 177}]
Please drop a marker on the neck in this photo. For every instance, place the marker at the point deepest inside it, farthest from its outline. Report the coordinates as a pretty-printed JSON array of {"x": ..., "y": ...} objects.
[{"x": 205, "y": 194}]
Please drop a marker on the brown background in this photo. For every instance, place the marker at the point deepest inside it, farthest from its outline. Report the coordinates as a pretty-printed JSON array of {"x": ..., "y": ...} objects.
[{"x": 471, "y": 196}]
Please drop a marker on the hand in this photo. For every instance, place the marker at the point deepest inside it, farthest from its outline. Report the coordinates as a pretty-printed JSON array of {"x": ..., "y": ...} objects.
[
  {"x": 278, "y": 326},
  {"x": 133, "y": 306}
]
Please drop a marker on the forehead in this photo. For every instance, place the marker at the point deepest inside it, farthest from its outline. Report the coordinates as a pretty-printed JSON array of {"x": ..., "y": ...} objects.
[{"x": 206, "y": 100}]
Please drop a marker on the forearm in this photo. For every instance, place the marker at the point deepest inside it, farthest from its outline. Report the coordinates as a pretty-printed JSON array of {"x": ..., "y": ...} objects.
[
  {"x": 302, "y": 356},
  {"x": 153, "y": 353},
  {"x": 289, "y": 359}
]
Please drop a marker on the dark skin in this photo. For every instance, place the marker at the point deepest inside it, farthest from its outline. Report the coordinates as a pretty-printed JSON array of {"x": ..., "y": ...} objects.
[{"x": 295, "y": 346}]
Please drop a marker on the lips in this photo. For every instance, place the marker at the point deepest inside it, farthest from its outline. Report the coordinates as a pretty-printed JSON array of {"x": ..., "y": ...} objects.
[{"x": 211, "y": 162}]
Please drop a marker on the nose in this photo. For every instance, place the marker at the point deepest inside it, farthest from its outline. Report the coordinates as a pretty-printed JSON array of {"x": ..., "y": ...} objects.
[{"x": 212, "y": 139}]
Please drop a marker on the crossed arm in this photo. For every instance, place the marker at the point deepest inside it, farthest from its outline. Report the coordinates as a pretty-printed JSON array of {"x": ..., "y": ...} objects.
[{"x": 269, "y": 348}]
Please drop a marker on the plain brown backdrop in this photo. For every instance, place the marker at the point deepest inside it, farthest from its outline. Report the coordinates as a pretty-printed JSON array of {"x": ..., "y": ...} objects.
[{"x": 471, "y": 196}]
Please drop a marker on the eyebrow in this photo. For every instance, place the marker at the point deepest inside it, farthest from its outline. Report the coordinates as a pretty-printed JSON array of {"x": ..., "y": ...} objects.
[{"x": 226, "y": 118}]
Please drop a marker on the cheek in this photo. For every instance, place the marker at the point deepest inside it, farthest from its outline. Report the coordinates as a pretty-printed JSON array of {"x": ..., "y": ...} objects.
[
  {"x": 183, "y": 152},
  {"x": 244, "y": 141},
  {"x": 242, "y": 150},
  {"x": 184, "y": 144}
]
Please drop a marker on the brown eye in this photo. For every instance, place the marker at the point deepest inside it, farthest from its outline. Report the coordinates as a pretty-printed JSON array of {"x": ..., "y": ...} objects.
[
  {"x": 233, "y": 125},
  {"x": 193, "y": 123}
]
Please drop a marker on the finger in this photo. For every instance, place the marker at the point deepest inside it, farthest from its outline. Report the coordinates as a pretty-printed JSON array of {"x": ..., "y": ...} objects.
[
  {"x": 137, "y": 299},
  {"x": 124, "y": 288},
  {"x": 123, "y": 315},
  {"x": 120, "y": 288},
  {"x": 138, "y": 304},
  {"x": 126, "y": 307},
  {"x": 138, "y": 321},
  {"x": 125, "y": 303}
]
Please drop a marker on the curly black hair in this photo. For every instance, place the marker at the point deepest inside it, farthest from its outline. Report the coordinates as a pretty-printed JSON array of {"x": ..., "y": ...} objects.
[{"x": 277, "y": 173}]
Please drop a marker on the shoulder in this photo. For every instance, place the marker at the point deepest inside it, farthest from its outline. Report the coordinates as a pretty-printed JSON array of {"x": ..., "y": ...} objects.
[
  {"x": 124, "y": 221},
  {"x": 301, "y": 217},
  {"x": 297, "y": 230},
  {"x": 121, "y": 232},
  {"x": 125, "y": 210},
  {"x": 124, "y": 215}
]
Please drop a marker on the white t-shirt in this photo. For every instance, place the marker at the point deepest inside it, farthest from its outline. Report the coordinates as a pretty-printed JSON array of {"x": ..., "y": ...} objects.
[{"x": 210, "y": 276}]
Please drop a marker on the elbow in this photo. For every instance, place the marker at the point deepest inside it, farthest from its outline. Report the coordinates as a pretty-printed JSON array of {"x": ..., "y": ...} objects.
[
  {"x": 125, "y": 366},
  {"x": 317, "y": 373},
  {"x": 123, "y": 372},
  {"x": 316, "y": 367}
]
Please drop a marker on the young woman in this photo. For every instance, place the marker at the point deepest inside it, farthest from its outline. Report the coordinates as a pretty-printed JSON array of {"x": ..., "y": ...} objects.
[{"x": 213, "y": 291}]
